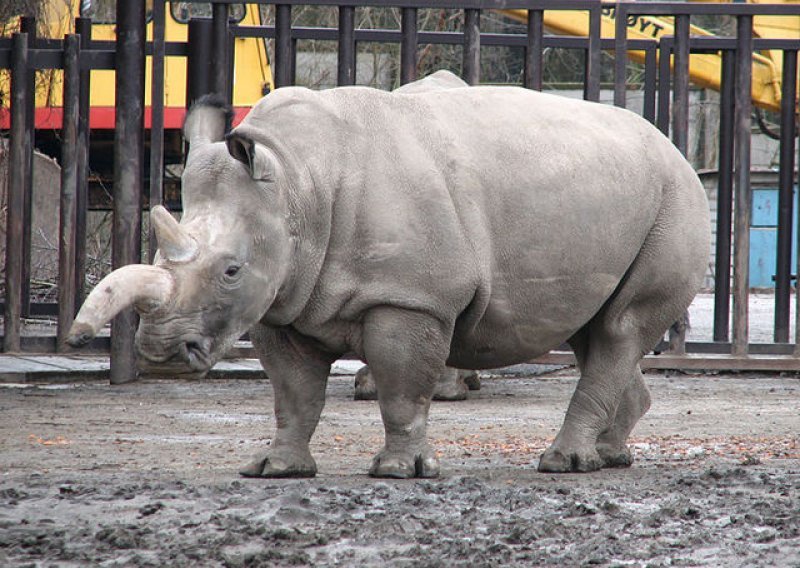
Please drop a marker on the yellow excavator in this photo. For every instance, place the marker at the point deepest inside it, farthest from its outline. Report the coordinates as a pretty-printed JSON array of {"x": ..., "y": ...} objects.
[
  {"x": 704, "y": 69},
  {"x": 252, "y": 72}
]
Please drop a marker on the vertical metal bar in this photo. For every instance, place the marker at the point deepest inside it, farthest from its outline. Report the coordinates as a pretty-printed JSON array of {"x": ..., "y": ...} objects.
[
  {"x": 785, "y": 197},
  {"x": 346, "y": 70},
  {"x": 219, "y": 51},
  {"x": 664, "y": 79},
  {"x": 680, "y": 93},
  {"x": 293, "y": 63},
  {"x": 69, "y": 177},
  {"x": 408, "y": 45},
  {"x": 620, "y": 54},
  {"x": 18, "y": 147},
  {"x": 472, "y": 46},
  {"x": 283, "y": 45},
  {"x": 28, "y": 26},
  {"x": 722, "y": 272},
  {"x": 743, "y": 199},
  {"x": 83, "y": 26},
  {"x": 157, "y": 119},
  {"x": 534, "y": 50},
  {"x": 128, "y": 169},
  {"x": 650, "y": 77},
  {"x": 592, "y": 89},
  {"x": 198, "y": 61}
]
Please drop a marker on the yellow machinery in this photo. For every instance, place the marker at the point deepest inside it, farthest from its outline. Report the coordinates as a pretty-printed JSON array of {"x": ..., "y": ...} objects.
[
  {"x": 252, "y": 73},
  {"x": 704, "y": 69}
]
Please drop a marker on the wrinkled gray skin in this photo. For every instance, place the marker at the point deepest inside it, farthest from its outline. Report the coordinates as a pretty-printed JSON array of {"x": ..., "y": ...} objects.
[{"x": 472, "y": 227}]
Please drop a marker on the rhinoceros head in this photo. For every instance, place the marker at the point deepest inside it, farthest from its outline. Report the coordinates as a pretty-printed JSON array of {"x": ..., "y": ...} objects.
[{"x": 217, "y": 271}]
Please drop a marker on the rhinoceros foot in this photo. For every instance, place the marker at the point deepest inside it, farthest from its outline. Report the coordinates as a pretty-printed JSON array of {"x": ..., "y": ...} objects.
[
  {"x": 365, "y": 385},
  {"x": 450, "y": 386},
  {"x": 280, "y": 464},
  {"x": 472, "y": 379},
  {"x": 405, "y": 465},
  {"x": 614, "y": 456},
  {"x": 571, "y": 461}
]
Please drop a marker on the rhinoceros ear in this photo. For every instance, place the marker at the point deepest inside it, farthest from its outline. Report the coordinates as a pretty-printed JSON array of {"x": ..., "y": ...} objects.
[
  {"x": 208, "y": 120},
  {"x": 253, "y": 155}
]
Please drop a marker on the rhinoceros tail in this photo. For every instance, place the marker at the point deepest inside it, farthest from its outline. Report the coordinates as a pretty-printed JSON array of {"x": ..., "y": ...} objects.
[{"x": 208, "y": 120}]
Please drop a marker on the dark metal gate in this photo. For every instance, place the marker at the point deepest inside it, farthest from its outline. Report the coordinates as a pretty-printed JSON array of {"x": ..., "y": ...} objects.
[{"x": 209, "y": 52}]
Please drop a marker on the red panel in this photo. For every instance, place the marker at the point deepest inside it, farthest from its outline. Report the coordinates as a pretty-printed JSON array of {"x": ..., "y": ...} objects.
[{"x": 102, "y": 118}]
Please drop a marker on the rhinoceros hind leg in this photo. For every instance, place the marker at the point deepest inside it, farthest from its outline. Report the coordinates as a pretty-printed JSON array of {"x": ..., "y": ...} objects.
[
  {"x": 611, "y": 444},
  {"x": 281, "y": 464},
  {"x": 611, "y": 396},
  {"x": 406, "y": 351}
]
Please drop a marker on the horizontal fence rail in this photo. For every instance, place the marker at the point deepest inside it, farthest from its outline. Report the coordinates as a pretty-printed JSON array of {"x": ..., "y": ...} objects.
[{"x": 209, "y": 51}]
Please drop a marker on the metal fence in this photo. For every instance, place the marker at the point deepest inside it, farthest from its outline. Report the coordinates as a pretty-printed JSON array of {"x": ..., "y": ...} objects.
[{"x": 209, "y": 53}]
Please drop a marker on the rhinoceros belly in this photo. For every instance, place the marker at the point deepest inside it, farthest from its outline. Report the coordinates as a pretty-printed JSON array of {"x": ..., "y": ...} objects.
[{"x": 527, "y": 317}]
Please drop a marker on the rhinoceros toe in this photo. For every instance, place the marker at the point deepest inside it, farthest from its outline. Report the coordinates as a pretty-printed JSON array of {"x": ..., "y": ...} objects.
[
  {"x": 614, "y": 456},
  {"x": 274, "y": 464},
  {"x": 405, "y": 466},
  {"x": 574, "y": 461}
]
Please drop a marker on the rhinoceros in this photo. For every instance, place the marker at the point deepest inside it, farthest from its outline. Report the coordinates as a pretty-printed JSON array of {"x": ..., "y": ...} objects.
[{"x": 470, "y": 227}]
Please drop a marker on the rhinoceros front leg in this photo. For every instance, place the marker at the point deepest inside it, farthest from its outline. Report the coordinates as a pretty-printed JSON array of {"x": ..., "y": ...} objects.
[
  {"x": 405, "y": 351},
  {"x": 298, "y": 373}
]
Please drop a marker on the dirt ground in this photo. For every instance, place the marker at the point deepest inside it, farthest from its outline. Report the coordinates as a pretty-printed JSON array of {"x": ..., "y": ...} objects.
[{"x": 145, "y": 475}]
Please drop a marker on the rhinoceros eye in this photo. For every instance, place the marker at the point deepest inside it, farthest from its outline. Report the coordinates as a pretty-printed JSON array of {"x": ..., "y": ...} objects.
[{"x": 232, "y": 270}]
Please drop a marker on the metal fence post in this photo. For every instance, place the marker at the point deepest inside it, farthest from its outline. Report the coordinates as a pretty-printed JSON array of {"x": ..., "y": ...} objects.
[
  {"x": 199, "y": 71},
  {"x": 283, "y": 45},
  {"x": 472, "y": 46},
  {"x": 680, "y": 90},
  {"x": 592, "y": 86},
  {"x": 219, "y": 51},
  {"x": 83, "y": 26},
  {"x": 128, "y": 170},
  {"x": 69, "y": 167},
  {"x": 28, "y": 26},
  {"x": 620, "y": 55},
  {"x": 533, "y": 50},
  {"x": 742, "y": 214},
  {"x": 722, "y": 272},
  {"x": 19, "y": 146},
  {"x": 786, "y": 197},
  {"x": 156, "y": 120},
  {"x": 408, "y": 45},
  {"x": 664, "y": 79},
  {"x": 346, "y": 67}
]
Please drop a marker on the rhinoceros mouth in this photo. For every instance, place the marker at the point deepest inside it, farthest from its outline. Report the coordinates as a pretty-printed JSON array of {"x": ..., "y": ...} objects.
[{"x": 189, "y": 355}]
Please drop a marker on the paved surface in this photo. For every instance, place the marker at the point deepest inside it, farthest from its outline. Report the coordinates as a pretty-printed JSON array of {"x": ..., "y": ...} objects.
[{"x": 26, "y": 368}]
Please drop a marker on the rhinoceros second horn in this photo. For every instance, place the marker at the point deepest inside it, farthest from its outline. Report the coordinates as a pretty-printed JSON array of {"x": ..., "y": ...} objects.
[{"x": 174, "y": 243}]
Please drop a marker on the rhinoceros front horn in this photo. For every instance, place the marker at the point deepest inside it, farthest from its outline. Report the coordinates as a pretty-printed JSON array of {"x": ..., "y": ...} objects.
[
  {"x": 147, "y": 287},
  {"x": 174, "y": 243}
]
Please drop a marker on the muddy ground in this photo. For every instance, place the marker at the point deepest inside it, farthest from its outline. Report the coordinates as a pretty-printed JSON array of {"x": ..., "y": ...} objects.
[{"x": 145, "y": 475}]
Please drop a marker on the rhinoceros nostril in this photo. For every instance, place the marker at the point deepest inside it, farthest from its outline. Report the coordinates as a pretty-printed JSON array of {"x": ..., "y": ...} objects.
[{"x": 196, "y": 353}]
